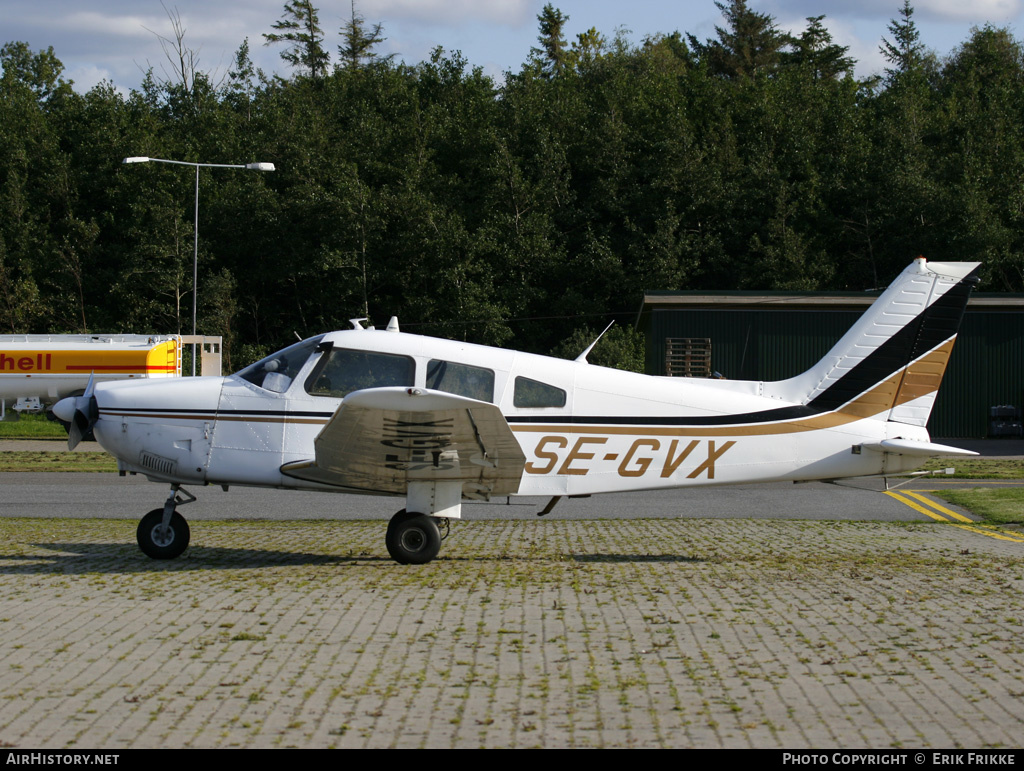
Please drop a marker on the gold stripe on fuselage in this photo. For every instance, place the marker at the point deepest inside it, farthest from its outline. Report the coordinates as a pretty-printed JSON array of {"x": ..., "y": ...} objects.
[{"x": 208, "y": 418}]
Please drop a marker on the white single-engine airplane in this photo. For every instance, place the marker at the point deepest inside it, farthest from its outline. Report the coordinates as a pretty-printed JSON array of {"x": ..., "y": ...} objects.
[{"x": 438, "y": 421}]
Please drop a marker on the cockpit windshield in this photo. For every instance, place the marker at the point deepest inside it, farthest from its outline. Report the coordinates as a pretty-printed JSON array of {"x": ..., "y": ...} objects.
[{"x": 277, "y": 371}]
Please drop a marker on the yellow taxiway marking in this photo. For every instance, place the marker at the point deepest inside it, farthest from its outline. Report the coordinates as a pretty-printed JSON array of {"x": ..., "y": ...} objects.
[
  {"x": 938, "y": 512},
  {"x": 937, "y": 506},
  {"x": 994, "y": 533}
]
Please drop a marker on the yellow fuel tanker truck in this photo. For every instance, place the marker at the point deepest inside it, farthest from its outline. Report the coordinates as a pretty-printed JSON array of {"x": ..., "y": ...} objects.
[{"x": 36, "y": 371}]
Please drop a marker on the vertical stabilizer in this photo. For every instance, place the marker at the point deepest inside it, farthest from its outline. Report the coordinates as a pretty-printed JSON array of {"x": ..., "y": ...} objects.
[{"x": 890, "y": 364}]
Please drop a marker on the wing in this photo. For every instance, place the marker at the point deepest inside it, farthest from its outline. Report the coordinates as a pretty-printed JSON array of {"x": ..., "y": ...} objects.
[{"x": 381, "y": 439}]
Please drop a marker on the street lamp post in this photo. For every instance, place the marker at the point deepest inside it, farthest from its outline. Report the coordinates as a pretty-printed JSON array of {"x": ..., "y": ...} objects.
[{"x": 195, "y": 245}]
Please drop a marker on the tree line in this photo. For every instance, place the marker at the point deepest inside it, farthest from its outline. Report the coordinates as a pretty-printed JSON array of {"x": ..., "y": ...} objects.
[{"x": 527, "y": 212}]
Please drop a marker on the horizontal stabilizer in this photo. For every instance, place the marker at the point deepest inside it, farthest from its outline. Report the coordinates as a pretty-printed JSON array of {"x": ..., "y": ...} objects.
[{"x": 910, "y": 447}]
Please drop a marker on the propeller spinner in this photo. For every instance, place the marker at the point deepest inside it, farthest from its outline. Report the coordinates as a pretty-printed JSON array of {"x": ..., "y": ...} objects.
[{"x": 79, "y": 412}]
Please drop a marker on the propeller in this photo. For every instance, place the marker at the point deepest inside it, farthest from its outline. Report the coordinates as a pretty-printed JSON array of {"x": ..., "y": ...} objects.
[{"x": 79, "y": 412}]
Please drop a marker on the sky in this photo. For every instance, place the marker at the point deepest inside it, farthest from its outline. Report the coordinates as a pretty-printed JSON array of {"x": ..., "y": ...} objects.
[{"x": 118, "y": 40}]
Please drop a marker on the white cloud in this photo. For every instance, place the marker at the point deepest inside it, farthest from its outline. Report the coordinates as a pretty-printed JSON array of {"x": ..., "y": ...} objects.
[
  {"x": 832, "y": 9},
  {"x": 980, "y": 11},
  {"x": 971, "y": 11},
  {"x": 87, "y": 77},
  {"x": 90, "y": 23},
  {"x": 865, "y": 51},
  {"x": 511, "y": 13}
]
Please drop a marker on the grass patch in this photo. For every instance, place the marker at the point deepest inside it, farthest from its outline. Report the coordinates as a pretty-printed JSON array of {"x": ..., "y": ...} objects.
[
  {"x": 241, "y": 636},
  {"x": 999, "y": 506},
  {"x": 57, "y": 461},
  {"x": 31, "y": 427},
  {"x": 978, "y": 468}
]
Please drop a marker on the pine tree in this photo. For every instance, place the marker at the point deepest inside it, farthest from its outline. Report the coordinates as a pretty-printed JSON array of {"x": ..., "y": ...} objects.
[
  {"x": 359, "y": 41},
  {"x": 815, "y": 52},
  {"x": 751, "y": 45},
  {"x": 300, "y": 28},
  {"x": 906, "y": 53},
  {"x": 553, "y": 51}
]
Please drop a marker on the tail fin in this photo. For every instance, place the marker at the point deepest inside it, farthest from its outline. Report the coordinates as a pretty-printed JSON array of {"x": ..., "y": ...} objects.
[{"x": 892, "y": 360}]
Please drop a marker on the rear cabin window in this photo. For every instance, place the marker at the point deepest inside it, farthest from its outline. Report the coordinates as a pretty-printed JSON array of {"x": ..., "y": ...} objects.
[
  {"x": 344, "y": 371},
  {"x": 461, "y": 379},
  {"x": 533, "y": 393}
]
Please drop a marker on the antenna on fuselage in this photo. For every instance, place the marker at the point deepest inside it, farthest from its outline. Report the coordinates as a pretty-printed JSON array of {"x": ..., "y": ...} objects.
[
  {"x": 392, "y": 325},
  {"x": 357, "y": 323},
  {"x": 583, "y": 356}
]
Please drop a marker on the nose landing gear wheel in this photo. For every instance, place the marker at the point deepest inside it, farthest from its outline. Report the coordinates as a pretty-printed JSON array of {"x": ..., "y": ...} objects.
[
  {"x": 161, "y": 544},
  {"x": 412, "y": 538}
]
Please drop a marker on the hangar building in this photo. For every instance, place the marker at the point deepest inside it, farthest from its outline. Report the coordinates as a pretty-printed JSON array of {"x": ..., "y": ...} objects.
[{"x": 775, "y": 335}]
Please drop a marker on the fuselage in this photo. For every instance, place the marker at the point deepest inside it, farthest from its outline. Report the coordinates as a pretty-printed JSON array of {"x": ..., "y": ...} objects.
[{"x": 583, "y": 429}]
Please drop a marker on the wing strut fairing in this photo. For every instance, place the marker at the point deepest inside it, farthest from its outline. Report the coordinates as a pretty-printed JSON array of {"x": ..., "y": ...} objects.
[{"x": 434, "y": 447}]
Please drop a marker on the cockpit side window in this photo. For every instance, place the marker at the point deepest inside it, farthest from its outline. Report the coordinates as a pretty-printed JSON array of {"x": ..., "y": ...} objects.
[
  {"x": 533, "y": 393},
  {"x": 343, "y": 371},
  {"x": 461, "y": 379},
  {"x": 277, "y": 371}
]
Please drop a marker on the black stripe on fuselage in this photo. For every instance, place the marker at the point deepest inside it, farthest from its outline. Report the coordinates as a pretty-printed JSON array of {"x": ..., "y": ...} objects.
[
  {"x": 766, "y": 416},
  {"x": 173, "y": 412}
]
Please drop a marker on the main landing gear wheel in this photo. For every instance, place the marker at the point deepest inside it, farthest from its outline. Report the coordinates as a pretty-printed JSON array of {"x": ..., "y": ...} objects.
[
  {"x": 162, "y": 544},
  {"x": 412, "y": 539}
]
